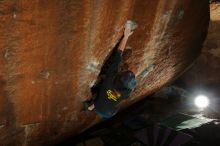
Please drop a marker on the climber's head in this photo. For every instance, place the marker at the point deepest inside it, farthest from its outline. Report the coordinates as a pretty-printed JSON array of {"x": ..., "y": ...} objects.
[{"x": 125, "y": 81}]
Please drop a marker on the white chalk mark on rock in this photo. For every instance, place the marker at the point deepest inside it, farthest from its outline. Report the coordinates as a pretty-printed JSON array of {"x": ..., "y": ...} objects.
[
  {"x": 65, "y": 108},
  {"x": 45, "y": 74},
  {"x": 2, "y": 126},
  {"x": 147, "y": 70},
  {"x": 14, "y": 15},
  {"x": 93, "y": 66}
]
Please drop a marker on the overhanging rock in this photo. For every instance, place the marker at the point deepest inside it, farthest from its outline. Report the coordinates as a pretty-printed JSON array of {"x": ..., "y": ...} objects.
[{"x": 52, "y": 52}]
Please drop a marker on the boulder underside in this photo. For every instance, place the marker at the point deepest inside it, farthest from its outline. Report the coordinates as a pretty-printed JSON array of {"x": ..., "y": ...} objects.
[{"x": 52, "y": 52}]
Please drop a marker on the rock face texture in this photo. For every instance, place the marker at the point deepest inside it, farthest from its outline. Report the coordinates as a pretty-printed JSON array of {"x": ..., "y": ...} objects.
[{"x": 52, "y": 52}]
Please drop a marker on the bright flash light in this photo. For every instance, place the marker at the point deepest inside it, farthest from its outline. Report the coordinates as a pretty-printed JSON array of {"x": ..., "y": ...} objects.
[{"x": 201, "y": 101}]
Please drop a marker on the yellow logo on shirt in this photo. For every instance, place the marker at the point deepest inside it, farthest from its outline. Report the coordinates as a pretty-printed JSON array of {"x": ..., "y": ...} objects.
[{"x": 113, "y": 95}]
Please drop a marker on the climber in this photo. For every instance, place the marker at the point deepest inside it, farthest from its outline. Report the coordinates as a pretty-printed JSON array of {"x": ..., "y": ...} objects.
[{"x": 116, "y": 86}]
